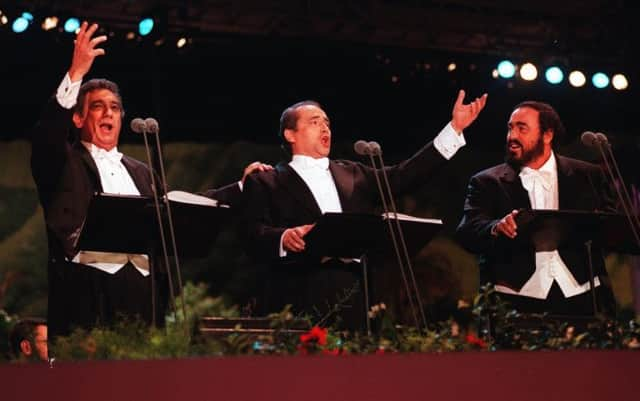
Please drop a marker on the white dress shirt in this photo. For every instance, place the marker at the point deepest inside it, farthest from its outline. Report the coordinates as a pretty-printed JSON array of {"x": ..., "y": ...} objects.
[
  {"x": 315, "y": 173},
  {"x": 542, "y": 187},
  {"x": 115, "y": 179}
]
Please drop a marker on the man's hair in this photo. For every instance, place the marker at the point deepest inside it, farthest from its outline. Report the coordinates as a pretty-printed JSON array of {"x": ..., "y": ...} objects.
[
  {"x": 25, "y": 329},
  {"x": 548, "y": 119},
  {"x": 94, "y": 84},
  {"x": 289, "y": 120}
]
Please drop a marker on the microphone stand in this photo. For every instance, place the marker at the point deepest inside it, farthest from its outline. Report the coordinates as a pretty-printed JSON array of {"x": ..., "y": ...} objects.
[
  {"x": 154, "y": 128},
  {"x": 377, "y": 151}
]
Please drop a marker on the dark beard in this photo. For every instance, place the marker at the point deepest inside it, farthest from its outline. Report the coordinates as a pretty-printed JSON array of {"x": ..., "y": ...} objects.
[{"x": 527, "y": 156}]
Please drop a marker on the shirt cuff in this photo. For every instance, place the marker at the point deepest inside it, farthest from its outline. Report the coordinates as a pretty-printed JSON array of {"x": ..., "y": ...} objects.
[
  {"x": 241, "y": 185},
  {"x": 67, "y": 94},
  {"x": 281, "y": 252},
  {"x": 449, "y": 141}
]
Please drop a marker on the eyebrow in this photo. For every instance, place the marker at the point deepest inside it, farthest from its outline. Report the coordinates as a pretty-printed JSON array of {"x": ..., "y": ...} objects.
[
  {"x": 517, "y": 123},
  {"x": 319, "y": 117}
]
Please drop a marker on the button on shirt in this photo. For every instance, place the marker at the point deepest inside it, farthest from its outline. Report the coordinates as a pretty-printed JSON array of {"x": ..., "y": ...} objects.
[
  {"x": 542, "y": 187},
  {"x": 115, "y": 179},
  {"x": 316, "y": 174}
]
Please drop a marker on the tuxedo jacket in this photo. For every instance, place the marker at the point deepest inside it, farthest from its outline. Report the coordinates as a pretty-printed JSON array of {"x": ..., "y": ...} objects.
[
  {"x": 279, "y": 199},
  {"x": 495, "y": 192}
]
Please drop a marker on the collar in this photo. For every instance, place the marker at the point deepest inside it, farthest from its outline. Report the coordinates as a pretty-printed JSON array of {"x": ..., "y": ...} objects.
[
  {"x": 307, "y": 163},
  {"x": 546, "y": 174},
  {"x": 99, "y": 154}
]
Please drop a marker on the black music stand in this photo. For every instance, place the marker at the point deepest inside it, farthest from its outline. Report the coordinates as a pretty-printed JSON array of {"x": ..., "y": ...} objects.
[
  {"x": 549, "y": 230},
  {"x": 196, "y": 226},
  {"x": 356, "y": 235}
]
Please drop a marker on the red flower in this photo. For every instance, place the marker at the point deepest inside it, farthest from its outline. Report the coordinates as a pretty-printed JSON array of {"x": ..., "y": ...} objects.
[
  {"x": 473, "y": 340},
  {"x": 316, "y": 335}
]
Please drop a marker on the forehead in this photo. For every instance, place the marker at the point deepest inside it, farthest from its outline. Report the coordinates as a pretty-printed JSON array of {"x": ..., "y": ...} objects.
[
  {"x": 526, "y": 115},
  {"x": 41, "y": 331},
  {"x": 102, "y": 94},
  {"x": 310, "y": 111}
]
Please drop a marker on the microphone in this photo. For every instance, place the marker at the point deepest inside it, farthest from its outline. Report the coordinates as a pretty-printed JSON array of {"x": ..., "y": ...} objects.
[
  {"x": 152, "y": 125},
  {"x": 361, "y": 147},
  {"x": 375, "y": 149},
  {"x": 138, "y": 126},
  {"x": 601, "y": 138},
  {"x": 589, "y": 139}
]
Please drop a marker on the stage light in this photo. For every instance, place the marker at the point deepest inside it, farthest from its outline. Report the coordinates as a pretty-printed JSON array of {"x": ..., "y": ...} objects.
[
  {"x": 619, "y": 82},
  {"x": 50, "y": 23},
  {"x": 130, "y": 36},
  {"x": 554, "y": 75},
  {"x": 72, "y": 25},
  {"x": 577, "y": 78},
  {"x": 181, "y": 42},
  {"x": 494, "y": 73},
  {"x": 528, "y": 72},
  {"x": 452, "y": 67},
  {"x": 600, "y": 80},
  {"x": 21, "y": 23},
  {"x": 145, "y": 26},
  {"x": 3, "y": 18},
  {"x": 506, "y": 69}
]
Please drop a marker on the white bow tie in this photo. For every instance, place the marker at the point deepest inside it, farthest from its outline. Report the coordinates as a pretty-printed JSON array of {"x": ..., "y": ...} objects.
[
  {"x": 322, "y": 164},
  {"x": 530, "y": 176},
  {"x": 112, "y": 155}
]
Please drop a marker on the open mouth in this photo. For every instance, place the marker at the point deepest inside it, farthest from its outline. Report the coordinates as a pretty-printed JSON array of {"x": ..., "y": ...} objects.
[
  {"x": 325, "y": 140},
  {"x": 106, "y": 127},
  {"x": 514, "y": 146}
]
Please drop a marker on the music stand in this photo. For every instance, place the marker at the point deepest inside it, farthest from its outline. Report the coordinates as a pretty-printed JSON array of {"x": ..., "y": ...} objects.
[
  {"x": 128, "y": 224},
  {"x": 356, "y": 235},
  {"x": 549, "y": 230}
]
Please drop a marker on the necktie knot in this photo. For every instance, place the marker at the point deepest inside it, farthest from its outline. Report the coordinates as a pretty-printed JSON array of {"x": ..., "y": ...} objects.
[{"x": 101, "y": 154}]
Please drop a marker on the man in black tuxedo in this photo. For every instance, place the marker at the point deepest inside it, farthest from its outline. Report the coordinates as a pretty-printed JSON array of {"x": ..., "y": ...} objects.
[
  {"x": 535, "y": 177},
  {"x": 284, "y": 203},
  {"x": 93, "y": 288}
]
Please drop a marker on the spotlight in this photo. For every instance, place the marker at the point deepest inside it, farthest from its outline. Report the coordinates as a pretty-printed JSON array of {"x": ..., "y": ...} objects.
[
  {"x": 21, "y": 23},
  {"x": 577, "y": 78},
  {"x": 50, "y": 23},
  {"x": 528, "y": 72},
  {"x": 145, "y": 26},
  {"x": 130, "y": 36},
  {"x": 506, "y": 69},
  {"x": 494, "y": 73},
  {"x": 600, "y": 80},
  {"x": 3, "y": 18},
  {"x": 554, "y": 75},
  {"x": 71, "y": 25},
  {"x": 181, "y": 42},
  {"x": 452, "y": 67},
  {"x": 619, "y": 82}
]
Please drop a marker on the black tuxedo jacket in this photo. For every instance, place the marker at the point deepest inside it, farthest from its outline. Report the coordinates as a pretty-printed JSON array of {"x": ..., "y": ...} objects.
[
  {"x": 495, "y": 192},
  {"x": 280, "y": 199}
]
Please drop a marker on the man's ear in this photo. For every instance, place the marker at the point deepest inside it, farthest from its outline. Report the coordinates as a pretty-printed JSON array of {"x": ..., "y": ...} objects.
[
  {"x": 288, "y": 135},
  {"x": 25, "y": 347},
  {"x": 547, "y": 136},
  {"x": 78, "y": 120}
]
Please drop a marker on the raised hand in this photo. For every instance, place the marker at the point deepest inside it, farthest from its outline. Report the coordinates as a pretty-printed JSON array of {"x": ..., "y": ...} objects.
[
  {"x": 464, "y": 114},
  {"x": 507, "y": 226},
  {"x": 255, "y": 166},
  {"x": 85, "y": 51}
]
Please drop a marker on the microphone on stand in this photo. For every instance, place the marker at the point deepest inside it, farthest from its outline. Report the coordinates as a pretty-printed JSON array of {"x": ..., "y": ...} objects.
[
  {"x": 370, "y": 149},
  {"x": 376, "y": 150},
  {"x": 601, "y": 142},
  {"x": 151, "y": 126}
]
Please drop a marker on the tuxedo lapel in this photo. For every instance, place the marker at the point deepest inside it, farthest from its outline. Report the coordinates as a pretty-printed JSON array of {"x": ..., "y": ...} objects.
[
  {"x": 295, "y": 185},
  {"x": 90, "y": 164},
  {"x": 343, "y": 176},
  {"x": 566, "y": 185},
  {"x": 140, "y": 176},
  {"x": 513, "y": 188}
]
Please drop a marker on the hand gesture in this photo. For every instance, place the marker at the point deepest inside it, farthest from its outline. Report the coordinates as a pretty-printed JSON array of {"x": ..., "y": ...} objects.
[
  {"x": 292, "y": 239},
  {"x": 464, "y": 114},
  {"x": 506, "y": 226},
  {"x": 85, "y": 51}
]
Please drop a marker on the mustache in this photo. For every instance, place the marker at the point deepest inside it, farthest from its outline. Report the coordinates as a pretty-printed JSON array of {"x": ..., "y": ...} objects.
[{"x": 514, "y": 142}]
